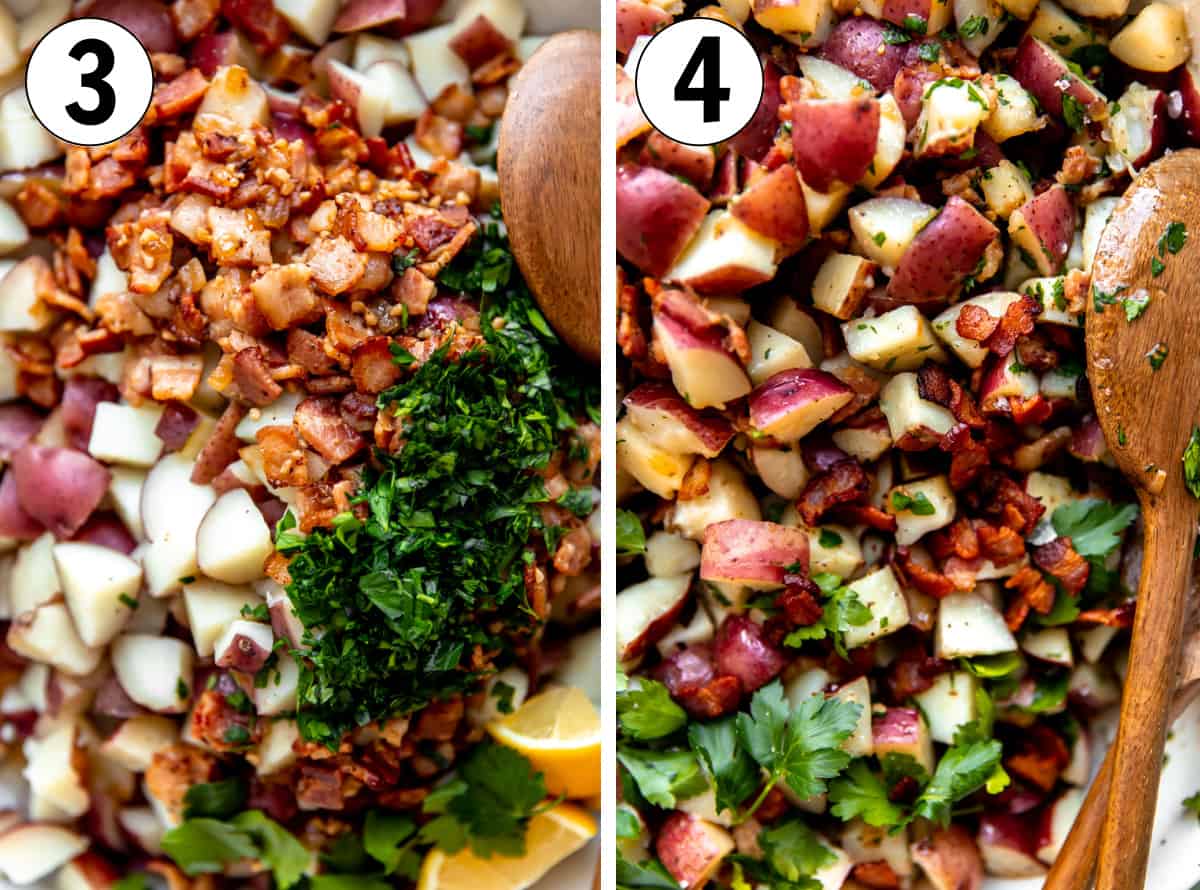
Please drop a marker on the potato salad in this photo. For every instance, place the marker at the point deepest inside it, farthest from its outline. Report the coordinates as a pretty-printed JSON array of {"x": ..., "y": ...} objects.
[{"x": 876, "y": 567}]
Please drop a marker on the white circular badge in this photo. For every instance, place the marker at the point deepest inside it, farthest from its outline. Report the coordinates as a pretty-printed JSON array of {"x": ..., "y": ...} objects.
[
  {"x": 89, "y": 81},
  {"x": 699, "y": 81}
]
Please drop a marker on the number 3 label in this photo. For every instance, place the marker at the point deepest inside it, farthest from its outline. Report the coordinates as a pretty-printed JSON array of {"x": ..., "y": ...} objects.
[
  {"x": 698, "y": 81},
  {"x": 89, "y": 81}
]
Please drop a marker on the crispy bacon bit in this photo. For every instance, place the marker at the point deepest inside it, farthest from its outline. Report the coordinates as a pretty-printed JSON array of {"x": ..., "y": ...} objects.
[
  {"x": 799, "y": 601},
  {"x": 1118, "y": 616},
  {"x": 284, "y": 296},
  {"x": 1036, "y": 593},
  {"x": 936, "y": 385},
  {"x": 865, "y": 514},
  {"x": 959, "y": 539},
  {"x": 1006, "y": 499},
  {"x": 1075, "y": 290},
  {"x": 336, "y": 266},
  {"x": 695, "y": 481},
  {"x": 267, "y": 29},
  {"x": 926, "y": 580},
  {"x": 913, "y": 672},
  {"x": 175, "y": 377},
  {"x": 373, "y": 369},
  {"x": 284, "y": 459},
  {"x": 1017, "y": 322},
  {"x": 179, "y": 96},
  {"x": 212, "y": 718},
  {"x": 319, "y": 788},
  {"x": 192, "y": 17},
  {"x": 876, "y": 875},
  {"x": 359, "y": 411},
  {"x": 844, "y": 482},
  {"x": 175, "y": 769},
  {"x": 439, "y": 135},
  {"x": 1041, "y": 757},
  {"x": 1000, "y": 544},
  {"x": 222, "y": 446},
  {"x": 975, "y": 323},
  {"x": 308, "y": 351},
  {"x": 252, "y": 378},
  {"x": 320, "y": 422},
  {"x": 176, "y": 424},
  {"x": 1058, "y": 558}
]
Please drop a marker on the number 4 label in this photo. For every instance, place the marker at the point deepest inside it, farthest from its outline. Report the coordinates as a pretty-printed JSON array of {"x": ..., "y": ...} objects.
[
  {"x": 699, "y": 81},
  {"x": 89, "y": 81}
]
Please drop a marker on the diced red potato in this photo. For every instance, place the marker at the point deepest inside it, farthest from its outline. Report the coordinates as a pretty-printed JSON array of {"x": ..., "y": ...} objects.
[
  {"x": 950, "y": 114},
  {"x": 950, "y": 859},
  {"x": 167, "y": 688},
  {"x": 1047, "y": 76},
  {"x": 172, "y": 508},
  {"x": 244, "y": 646},
  {"x": 857, "y": 44},
  {"x": 1056, "y": 822},
  {"x": 910, "y": 526},
  {"x": 233, "y": 540},
  {"x": 311, "y": 19},
  {"x": 865, "y": 843},
  {"x": 1156, "y": 40},
  {"x": 88, "y": 871},
  {"x": 434, "y": 64},
  {"x": 24, "y": 143},
  {"x": 899, "y": 340},
  {"x": 772, "y": 351},
  {"x": 1139, "y": 127},
  {"x": 934, "y": 13},
  {"x": 971, "y": 352},
  {"x": 366, "y": 96},
  {"x": 1008, "y": 846},
  {"x": 35, "y": 850},
  {"x": 880, "y": 592},
  {"x": 702, "y": 367},
  {"x": 774, "y": 207},
  {"x": 655, "y": 468},
  {"x": 1013, "y": 110},
  {"x": 106, "y": 530},
  {"x": 800, "y": 322},
  {"x": 1006, "y": 188},
  {"x": 695, "y": 163},
  {"x": 21, "y": 309},
  {"x": 725, "y": 257},
  {"x": 646, "y": 611},
  {"x": 865, "y": 444},
  {"x": 805, "y": 22},
  {"x": 58, "y": 487},
  {"x": 943, "y": 254},
  {"x": 214, "y": 50},
  {"x": 792, "y": 403},
  {"x": 890, "y": 145},
  {"x": 728, "y": 497},
  {"x": 52, "y": 774},
  {"x": 949, "y": 704},
  {"x": 125, "y": 434},
  {"x": 903, "y": 731},
  {"x": 1188, "y": 86},
  {"x": 751, "y": 554},
  {"x": 673, "y": 425},
  {"x": 362, "y": 15},
  {"x": 48, "y": 635},
  {"x": 911, "y": 419},
  {"x": 824, "y": 79},
  {"x": 884, "y": 228},
  {"x": 99, "y": 584},
  {"x": 692, "y": 849},
  {"x": 636, "y": 18},
  {"x": 741, "y": 649},
  {"x": 659, "y": 215},
  {"x": 1044, "y": 228},
  {"x": 781, "y": 470},
  {"x": 19, "y": 423},
  {"x": 148, "y": 20},
  {"x": 969, "y": 626},
  {"x": 824, "y": 207},
  {"x": 756, "y": 138},
  {"x": 842, "y": 284},
  {"x": 834, "y": 140},
  {"x": 989, "y": 12}
]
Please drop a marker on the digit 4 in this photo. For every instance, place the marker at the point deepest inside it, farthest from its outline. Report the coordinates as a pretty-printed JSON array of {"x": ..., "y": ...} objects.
[{"x": 710, "y": 91}]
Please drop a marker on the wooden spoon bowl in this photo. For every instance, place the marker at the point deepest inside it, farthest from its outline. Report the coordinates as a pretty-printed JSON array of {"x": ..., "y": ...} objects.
[
  {"x": 549, "y": 163},
  {"x": 1145, "y": 381}
]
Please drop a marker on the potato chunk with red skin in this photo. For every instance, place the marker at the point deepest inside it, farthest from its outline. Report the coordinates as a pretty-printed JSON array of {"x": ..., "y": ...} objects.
[
  {"x": 752, "y": 553},
  {"x": 657, "y": 215},
  {"x": 833, "y": 140},
  {"x": 1043, "y": 229},
  {"x": 1046, "y": 75},
  {"x": 950, "y": 859},
  {"x": 944, "y": 253},
  {"x": 774, "y": 206},
  {"x": 692, "y": 849}
]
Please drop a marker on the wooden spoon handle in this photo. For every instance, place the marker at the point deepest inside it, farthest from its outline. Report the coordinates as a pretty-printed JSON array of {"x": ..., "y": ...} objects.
[{"x": 1153, "y": 662}]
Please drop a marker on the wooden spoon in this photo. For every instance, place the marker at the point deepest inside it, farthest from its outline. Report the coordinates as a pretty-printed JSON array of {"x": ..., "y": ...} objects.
[
  {"x": 550, "y": 183},
  {"x": 1147, "y": 416},
  {"x": 1076, "y": 860}
]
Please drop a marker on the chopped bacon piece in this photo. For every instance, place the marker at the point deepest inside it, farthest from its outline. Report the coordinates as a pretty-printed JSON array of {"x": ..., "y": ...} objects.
[
  {"x": 975, "y": 323},
  {"x": 372, "y": 367},
  {"x": 876, "y": 875},
  {"x": 1000, "y": 544},
  {"x": 336, "y": 266},
  {"x": 252, "y": 378},
  {"x": 283, "y": 456},
  {"x": 1041, "y": 757},
  {"x": 319, "y": 788},
  {"x": 959, "y": 539},
  {"x": 308, "y": 351},
  {"x": 181, "y": 95},
  {"x": 1118, "y": 616},
  {"x": 320, "y": 423},
  {"x": 263, "y": 24},
  {"x": 844, "y": 482},
  {"x": 192, "y": 17},
  {"x": 285, "y": 297},
  {"x": 176, "y": 424},
  {"x": 1017, "y": 321},
  {"x": 926, "y": 580},
  {"x": 1058, "y": 558},
  {"x": 1035, "y": 593},
  {"x": 799, "y": 601},
  {"x": 913, "y": 672},
  {"x": 1004, "y": 498},
  {"x": 315, "y": 507},
  {"x": 175, "y": 376},
  {"x": 359, "y": 410},
  {"x": 222, "y": 446}
]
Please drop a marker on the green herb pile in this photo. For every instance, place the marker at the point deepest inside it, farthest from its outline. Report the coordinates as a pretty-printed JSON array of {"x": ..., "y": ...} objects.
[{"x": 396, "y": 605}]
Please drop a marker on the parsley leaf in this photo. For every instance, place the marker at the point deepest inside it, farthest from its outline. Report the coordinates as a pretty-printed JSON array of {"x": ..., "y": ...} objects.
[
  {"x": 798, "y": 746},
  {"x": 1074, "y": 115},
  {"x": 1173, "y": 238},
  {"x": 1135, "y": 305},
  {"x": 918, "y": 504},
  {"x": 860, "y": 794},
  {"x": 841, "y": 610},
  {"x": 1191, "y": 463},
  {"x": 216, "y": 800},
  {"x": 962, "y": 771},
  {"x": 631, "y": 536},
  {"x": 794, "y": 850},
  {"x": 135, "y": 881},
  {"x": 649, "y": 712},
  {"x": 664, "y": 776},
  {"x": 1193, "y": 803},
  {"x": 973, "y": 26},
  {"x": 1093, "y": 525},
  {"x": 386, "y": 839},
  {"x": 733, "y": 770},
  {"x": 643, "y": 876},
  {"x": 279, "y": 850}
]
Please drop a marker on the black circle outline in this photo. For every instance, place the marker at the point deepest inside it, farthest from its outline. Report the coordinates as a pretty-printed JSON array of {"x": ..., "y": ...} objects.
[
  {"x": 762, "y": 84},
  {"x": 149, "y": 101}
]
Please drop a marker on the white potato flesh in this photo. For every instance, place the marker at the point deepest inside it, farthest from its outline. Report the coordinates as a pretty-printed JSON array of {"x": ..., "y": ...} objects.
[
  {"x": 156, "y": 672},
  {"x": 311, "y": 19},
  {"x": 24, "y": 142},
  {"x": 34, "y": 579},
  {"x": 987, "y": 21},
  {"x": 823, "y": 207},
  {"x": 20, "y": 307},
  {"x": 1051, "y": 294},
  {"x": 124, "y": 434},
  {"x": 669, "y": 553},
  {"x": 880, "y": 592},
  {"x": 125, "y": 493},
  {"x": 889, "y": 146},
  {"x": 1052, "y": 644},
  {"x": 841, "y": 283},
  {"x": 48, "y": 635},
  {"x": 641, "y": 605},
  {"x": 1095, "y": 218},
  {"x": 949, "y": 704},
  {"x": 31, "y": 852},
  {"x": 254, "y": 635},
  {"x": 906, "y": 412},
  {"x": 99, "y": 584},
  {"x": 699, "y": 630},
  {"x": 772, "y": 351},
  {"x": 212, "y": 607},
  {"x": 934, "y": 500},
  {"x": 233, "y": 540},
  {"x": 860, "y": 742},
  {"x": 797, "y": 322},
  {"x": 13, "y": 232},
  {"x": 728, "y": 497},
  {"x": 1156, "y": 40},
  {"x": 276, "y": 752},
  {"x": 1052, "y": 25},
  {"x": 866, "y": 843},
  {"x": 371, "y": 48},
  {"x": 172, "y": 509},
  {"x": 834, "y": 549},
  {"x": 51, "y": 773},
  {"x": 865, "y": 444},
  {"x": 234, "y": 94},
  {"x": 968, "y": 625},
  {"x": 899, "y": 340},
  {"x": 950, "y": 114},
  {"x": 136, "y": 741},
  {"x": 403, "y": 99},
  {"x": 1006, "y": 188},
  {"x": 724, "y": 241},
  {"x": 279, "y": 413},
  {"x": 655, "y": 469},
  {"x": 885, "y": 227},
  {"x": 832, "y": 81},
  {"x": 782, "y": 470},
  {"x": 435, "y": 64},
  {"x": 1013, "y": 110},
  {"x": 278, "y": 696},
  {"x": 506, "y": 16}
]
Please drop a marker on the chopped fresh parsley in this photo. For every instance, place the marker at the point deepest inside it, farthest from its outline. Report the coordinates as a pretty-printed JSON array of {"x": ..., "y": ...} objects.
[
  {"x": 135, "y": 881},
  {"x": 929, "y": 52},
  {"x": 1157, "y": 266},
  {"x": 879, "y": 238},
  {"x": 963, "y": 770},
  {"x": 215, "y": 800},
  {"x": 1074, "y": 114},
  {"x": 480, "y": 135},
  {"x": 1192, "y": 804},
  {"x": 1157, "y": 356},
  {"x": 1100, "y": 298},
  {"x": 841, "y": 610},
  {"x": 503, "y": 694},
  {"x": 974, "y": 26},
  {"x": 648, "y": 712},
  {"x": 1173, "y": 239},
  {"x": 918, "y": 504},
  {"x": 1191, "y": 463},
  {"x": 914, "y": 24},
  {"x": 1093, "y": 525},
  {"x": 402, "y": 261},
  {"x": 631, "y": 536},
  {"x": 860, "y": 794},
  {"x": 663, "y": 777},
  {"x": 829, "y": 539},
  {"x": 793, "y": 850},
  {"x": 734, "y": 772},
  {"x": 894, "y": 36},
  {"x": 643, "y": 876},
  {"x": 205, "y": 846},
  {"x": 395, "y": 605},
  {"x": 237, "y": 734},
  {"x": 1135, "y": 305}
]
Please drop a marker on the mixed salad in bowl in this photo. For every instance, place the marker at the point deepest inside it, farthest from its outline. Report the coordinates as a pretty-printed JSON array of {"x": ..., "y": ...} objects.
[
  {"x": 300, "y": 578},
  {"x": 877, "y": 567}
]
